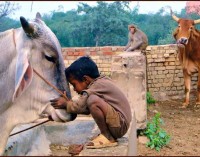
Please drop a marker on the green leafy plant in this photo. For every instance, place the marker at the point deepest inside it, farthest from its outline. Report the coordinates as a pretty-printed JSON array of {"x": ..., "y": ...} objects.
[
  {"x": 150, "y": 99},
  {"x": 157, "y": 136}
]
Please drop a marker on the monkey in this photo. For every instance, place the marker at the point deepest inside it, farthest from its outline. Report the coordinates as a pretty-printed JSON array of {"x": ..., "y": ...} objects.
[{"x": 137, "y": 39}]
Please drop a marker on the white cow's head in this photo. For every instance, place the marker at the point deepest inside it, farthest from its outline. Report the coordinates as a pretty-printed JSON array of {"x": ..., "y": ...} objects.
[
  {"x": 38, "y": 48},
  {"x": 24, "y": 96}
]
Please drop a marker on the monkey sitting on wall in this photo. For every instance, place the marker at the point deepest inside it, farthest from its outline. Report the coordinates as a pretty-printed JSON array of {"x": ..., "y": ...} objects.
[{"x": 137, "y": 39}]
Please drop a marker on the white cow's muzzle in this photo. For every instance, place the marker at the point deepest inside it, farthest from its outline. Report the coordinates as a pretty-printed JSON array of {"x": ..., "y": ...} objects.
[{"x": 58, "y": 115}]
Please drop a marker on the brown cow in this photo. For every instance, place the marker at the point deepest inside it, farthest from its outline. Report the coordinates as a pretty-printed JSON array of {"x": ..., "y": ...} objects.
[{"x": 189, "y": 55}]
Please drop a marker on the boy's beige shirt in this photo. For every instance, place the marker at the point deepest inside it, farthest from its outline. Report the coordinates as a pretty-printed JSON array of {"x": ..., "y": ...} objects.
[{"x": 105, "y": 88}]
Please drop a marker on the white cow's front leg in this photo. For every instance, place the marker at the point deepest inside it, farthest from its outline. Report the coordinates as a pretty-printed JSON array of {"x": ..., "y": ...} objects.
[{"x": 9, "y": 119}]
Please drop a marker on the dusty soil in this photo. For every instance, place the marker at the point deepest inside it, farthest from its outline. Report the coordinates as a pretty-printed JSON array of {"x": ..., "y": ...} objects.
[
  {"x": 59, "y": 150},
  {"x": 183, "y": 125}
]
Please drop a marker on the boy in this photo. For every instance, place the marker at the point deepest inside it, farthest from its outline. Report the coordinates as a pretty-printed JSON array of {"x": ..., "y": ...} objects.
[{"x": 99, "y": 97}]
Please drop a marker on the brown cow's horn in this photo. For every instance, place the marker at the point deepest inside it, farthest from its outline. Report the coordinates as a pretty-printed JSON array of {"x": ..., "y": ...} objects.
[
  {"x": 197, "y": 21},
  {"x": 174, "y": 16},
  {"x": 28, "y": 28}
]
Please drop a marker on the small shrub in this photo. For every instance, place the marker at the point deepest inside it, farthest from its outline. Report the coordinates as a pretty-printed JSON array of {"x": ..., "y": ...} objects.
[
  {"x": 157, "y": 136},
  {"x": 150, "y": 99}
]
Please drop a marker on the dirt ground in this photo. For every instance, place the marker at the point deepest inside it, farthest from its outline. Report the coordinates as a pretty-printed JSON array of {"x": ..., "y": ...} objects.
[{"x": 183, "y": 125}]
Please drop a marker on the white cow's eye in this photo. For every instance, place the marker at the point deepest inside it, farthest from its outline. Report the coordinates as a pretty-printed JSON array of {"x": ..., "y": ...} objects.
[{"x": 50, "y": 58}]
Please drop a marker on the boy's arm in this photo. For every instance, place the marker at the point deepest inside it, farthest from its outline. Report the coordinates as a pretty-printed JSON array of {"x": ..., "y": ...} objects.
[
  {"x": 79, "y": 105},
  {"x": 76, "y": 106}
]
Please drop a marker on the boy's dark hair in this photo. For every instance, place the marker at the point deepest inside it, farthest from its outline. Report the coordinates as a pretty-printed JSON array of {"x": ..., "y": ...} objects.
[{"x": 82, "y": 66}]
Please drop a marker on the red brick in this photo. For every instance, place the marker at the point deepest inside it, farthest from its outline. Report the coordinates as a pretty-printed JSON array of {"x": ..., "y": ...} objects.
[
  {"x": 80, "y": 49},
  {"x": 63, "y": 50},
  {"x": 69, "y": 49},
  {"x": 120, "y": 48},
  {"x": 76, "y": 53},
  {"x": 108, "y": 53},
  {"x": 93, "y": 53},
  {"x": 70, "y": 53},
  {"x": 113, "y": 53},
  {"x": 81, "y": 53},
  {"x": 71, "y": 58},
  {"x": 64, "y": 53},
  {"x": 65, "y": 57},
  {"x": 106, "y": 49},
  {"x": 94, "y": 49}
]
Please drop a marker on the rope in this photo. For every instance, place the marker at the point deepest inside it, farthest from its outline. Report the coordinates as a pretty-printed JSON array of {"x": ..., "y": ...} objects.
[
  {"x": 29, "y": 128},
  {"x": 179, "y": 49},
  {"x": 48, "y": 119},
  {"x": 179, "y": 46},
  {"x": 63, "y": 95}
]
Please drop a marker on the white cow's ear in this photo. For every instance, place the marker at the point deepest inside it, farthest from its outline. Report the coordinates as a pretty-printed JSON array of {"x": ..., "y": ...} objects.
[{"x": 23, "y": 73}]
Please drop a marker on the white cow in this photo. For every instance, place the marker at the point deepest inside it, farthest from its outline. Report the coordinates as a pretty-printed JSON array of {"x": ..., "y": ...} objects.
[{"x": 23, "y": 95}]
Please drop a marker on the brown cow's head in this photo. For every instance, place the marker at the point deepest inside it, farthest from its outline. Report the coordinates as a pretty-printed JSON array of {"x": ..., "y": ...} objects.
[{"x": 184, "y": 30}]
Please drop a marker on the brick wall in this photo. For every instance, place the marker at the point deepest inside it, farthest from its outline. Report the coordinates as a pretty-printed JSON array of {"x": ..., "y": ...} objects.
[
  {"x": 165, "y": 77},
  {"x": 101, "y": 55},
  {"x": 164, "y": 73}
]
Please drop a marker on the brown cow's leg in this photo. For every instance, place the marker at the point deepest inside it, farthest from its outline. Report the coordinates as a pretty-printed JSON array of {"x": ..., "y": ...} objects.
[
  {"x": 198, "y": 91},
  {"x": 187, "y": 81}
]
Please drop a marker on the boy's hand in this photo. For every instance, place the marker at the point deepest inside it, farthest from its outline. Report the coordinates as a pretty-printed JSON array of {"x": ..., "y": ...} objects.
[{"x": 59, "y": 103}]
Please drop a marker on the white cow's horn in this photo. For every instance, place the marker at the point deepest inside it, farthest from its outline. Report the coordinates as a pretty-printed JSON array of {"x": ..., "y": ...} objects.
[
  {"x": 174, "y": 16},
  {"x": 28, "y": 28},
  {"x": 197, "y": 21},
  {"x": 38, "y": 16}
]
